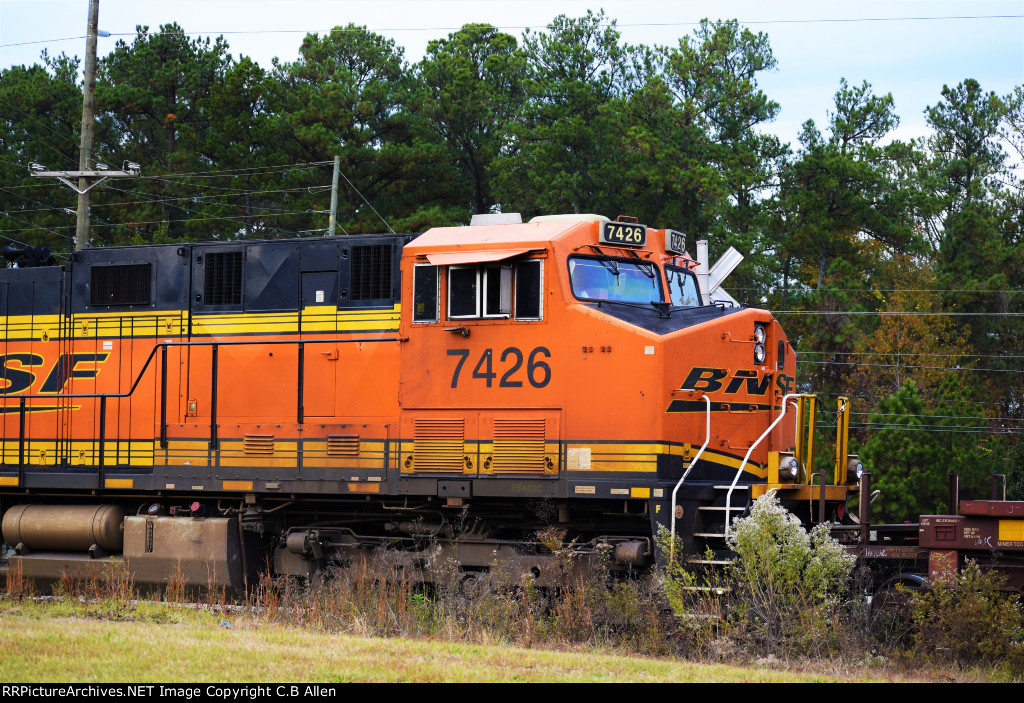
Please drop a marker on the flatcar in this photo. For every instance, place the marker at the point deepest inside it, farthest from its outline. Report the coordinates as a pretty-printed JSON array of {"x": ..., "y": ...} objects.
[{"x": 206, "y": 410}]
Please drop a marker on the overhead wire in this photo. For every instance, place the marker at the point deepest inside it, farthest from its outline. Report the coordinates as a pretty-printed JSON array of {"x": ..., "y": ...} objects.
[
  {"x": 47, "y": 128},
  {"x": 907, "y": 366},
  {"x": 224, "y": 173},
  {"x": 926, "y": 400},
  {"x": 933, "y": 430},
  {"x": 36, "y": 228},
  {"x": 830, "y": 289},
  {"x": 614, "y": 24}
]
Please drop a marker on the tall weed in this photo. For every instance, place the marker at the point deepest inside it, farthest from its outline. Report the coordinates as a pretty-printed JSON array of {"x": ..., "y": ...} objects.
[
  {"x": 790, "y": 584},
  {"x": 966, "y": 618}
]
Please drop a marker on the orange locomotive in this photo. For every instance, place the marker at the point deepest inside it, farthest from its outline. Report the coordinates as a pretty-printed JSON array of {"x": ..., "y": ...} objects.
[{"x": 205, "y": 407}]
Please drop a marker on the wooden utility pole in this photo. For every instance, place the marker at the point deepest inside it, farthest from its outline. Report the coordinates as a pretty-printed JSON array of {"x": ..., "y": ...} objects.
[
  {"x": 332, "y": 223},
  {"x": 87, "y": 178},
  {"x": 88, "y": 126}
]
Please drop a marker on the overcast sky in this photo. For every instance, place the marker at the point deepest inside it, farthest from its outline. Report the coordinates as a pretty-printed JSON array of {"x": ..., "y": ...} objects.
[{"x": 911, "y": 58}]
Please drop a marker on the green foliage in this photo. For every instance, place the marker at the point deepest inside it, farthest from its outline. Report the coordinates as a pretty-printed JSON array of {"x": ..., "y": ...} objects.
[
  {"x": 840, "y": 192},
  {"x": 1014, "y": 472},
  {"x": 967, "y": 618},
  {"x": 155, "y": 95},
  {"x": 911, "y": 453},
  {"x": 40, "y": 113},
  {"x": 561, "y": 150},
  {"x": 472, "y": 85},
  {"x": 346, "y": 95},
  {"x": 790, "y": 583},
  {"x": 720, "y": 120}
]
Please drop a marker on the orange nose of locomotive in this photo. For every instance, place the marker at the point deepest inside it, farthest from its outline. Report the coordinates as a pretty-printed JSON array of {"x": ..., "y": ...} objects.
[{"x": 733, "y": 368}]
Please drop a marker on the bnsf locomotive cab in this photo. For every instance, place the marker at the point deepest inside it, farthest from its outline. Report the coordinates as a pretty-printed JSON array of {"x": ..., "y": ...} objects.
[{"x": 597, "y": 336}]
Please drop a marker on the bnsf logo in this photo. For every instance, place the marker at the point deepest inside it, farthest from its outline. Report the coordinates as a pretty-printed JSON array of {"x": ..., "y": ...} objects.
[
  {"x": 710, "y": 380},
  {"x": 15, "y": 376}
]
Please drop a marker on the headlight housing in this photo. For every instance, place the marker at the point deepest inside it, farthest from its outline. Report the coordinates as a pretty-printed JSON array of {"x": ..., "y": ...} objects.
[
  {"x": 759, "y": 354},
  {"x": 854, "y": 467},
  {"x": 789, "y": 469}
]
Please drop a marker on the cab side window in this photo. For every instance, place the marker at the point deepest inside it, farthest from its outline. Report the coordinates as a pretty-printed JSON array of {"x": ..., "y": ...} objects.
[
  {"x": 463, "y": 291},
  {"x": 528, "y": 289},
  {"x": 424, "y": 294},
  {"x": 497, "y": 291}
]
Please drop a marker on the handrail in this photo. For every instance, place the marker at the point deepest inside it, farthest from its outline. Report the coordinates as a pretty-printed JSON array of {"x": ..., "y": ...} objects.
[
  {"x": 138, "y": 378},
  {"x": 163, "y": 346},
  {"x": 693, "y": 462},
  {"x": 842, "y": 440},
  {"x": 728, "y": 498}
]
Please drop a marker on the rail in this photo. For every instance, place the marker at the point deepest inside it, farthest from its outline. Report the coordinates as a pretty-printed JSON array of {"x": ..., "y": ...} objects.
[
  {"x": 693, "y": 462},
  {"x": 23, "y": 407},
  {"x": 786, "y": 399},
  {"x": 842, "y": 440}
]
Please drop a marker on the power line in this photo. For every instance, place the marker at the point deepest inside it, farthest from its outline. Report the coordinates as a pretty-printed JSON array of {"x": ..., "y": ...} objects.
[
  {"x": 898, "y": 313},
  {"x": 900, "y": 353},
  {"x": 943, "y": 417},
  {"x": 937, "y": 429},
  {"x": 802, "y": 291},
  {"x": 925, "y": 400},
  {"x": 617, "y": 25},
  {"x": 281, "y": 213},
  {"x": 366, "y": 201},
  {"x": 232, "y": 172},
  {"x": 12, "y": 239},
  {"x": 905, "y": 366},
  {"x": 164, "y": 199},
  {"x": 235, "y": 191}
]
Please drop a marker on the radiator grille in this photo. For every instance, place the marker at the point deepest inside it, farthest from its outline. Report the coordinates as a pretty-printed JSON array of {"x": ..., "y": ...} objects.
[
  {"x": 371, "y": 272},
  {"x": 519, "y": 446},
  {"x": 120, "y": 284},
  {"x": 223, "y": 284},
  {"x": 343, "y": 445},
  {"x": 262, "y": 444},
  {"x": 440, "y": 445}
]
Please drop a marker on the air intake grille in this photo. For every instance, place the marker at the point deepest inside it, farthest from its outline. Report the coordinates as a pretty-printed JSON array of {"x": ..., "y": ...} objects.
[
  {"x": 120, "y": 284},
  {"x": 519, "y": 446},
  {"x": 223, "y": 285},
  {"x": 371, "y": 272},
  {"x": 259, "y": 444},
  {"x": 440, "y": 445},
  {"x": 343, "y": 445}
]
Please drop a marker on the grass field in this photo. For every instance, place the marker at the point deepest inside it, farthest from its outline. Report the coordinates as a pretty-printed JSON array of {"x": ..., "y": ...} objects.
[{"x": 72, "y": 642}]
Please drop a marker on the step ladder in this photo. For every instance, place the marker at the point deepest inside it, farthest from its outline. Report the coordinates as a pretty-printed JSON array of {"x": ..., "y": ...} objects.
[{"x": 711, "y": 554}]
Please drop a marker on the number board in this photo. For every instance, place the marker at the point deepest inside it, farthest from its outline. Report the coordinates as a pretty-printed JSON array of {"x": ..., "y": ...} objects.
[
  {"x": 675, "y": 242},
  {"x": 624, "y": 233}
]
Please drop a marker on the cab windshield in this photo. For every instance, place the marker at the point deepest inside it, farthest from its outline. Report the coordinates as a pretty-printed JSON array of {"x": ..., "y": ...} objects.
[
  {"x": 682, "y": 287},
  {"x": 597, "y": 278}
]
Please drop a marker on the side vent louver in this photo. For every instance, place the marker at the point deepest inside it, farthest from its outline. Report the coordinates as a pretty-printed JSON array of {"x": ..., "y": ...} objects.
[
  {"x": 261, "y": 444},
  {"x": 440, "y": 445},
  {"x": 343, "y": 445},
  {"x": 519, "y": 446}
]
